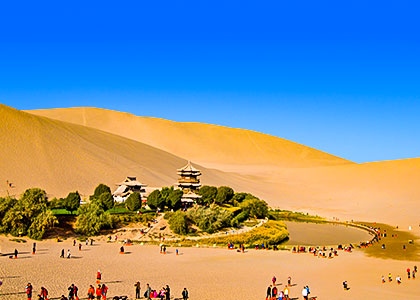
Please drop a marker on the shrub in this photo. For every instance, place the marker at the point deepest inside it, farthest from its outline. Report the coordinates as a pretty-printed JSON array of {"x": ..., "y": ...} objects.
[
  {"x": 210, "y": 219},
  {"x": 243, "y": 216},
  {"x": 133, "y": 202},
  {"x": 224, "y": 194},
  {"x": 178, "y": 222},
  {"x": 92, "y": 219},
  {"x": 174, "y": 199}
]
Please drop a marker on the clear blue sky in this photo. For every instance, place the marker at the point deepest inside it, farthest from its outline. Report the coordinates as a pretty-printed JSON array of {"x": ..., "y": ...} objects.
[{"x": 342, "y": 78}]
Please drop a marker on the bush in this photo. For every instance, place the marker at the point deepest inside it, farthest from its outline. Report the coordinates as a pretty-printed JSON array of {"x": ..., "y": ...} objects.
[
  {"x": 174, "y": 199},
  {"x": 178, "y": 222},
  {"x": 210, "y": 219},
  {"x": 92, "y": 219},
  {"x": 208, "y": 194},
  {"x": 270, "y": 233},
  {"x": 72, "y": 202},
  {"x": 56, "y": 203},
  {"x": 133, "y": 202},
  {"x": 255, "y": 207},
  {"x": 224, "y": 194},
  {"x": 243, "y": 216}
]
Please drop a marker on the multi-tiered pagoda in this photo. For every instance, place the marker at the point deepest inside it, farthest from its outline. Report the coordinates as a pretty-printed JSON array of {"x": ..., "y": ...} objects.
[
  {"x": 189, "y": 178},
  {"x": 189, "y": 183}
]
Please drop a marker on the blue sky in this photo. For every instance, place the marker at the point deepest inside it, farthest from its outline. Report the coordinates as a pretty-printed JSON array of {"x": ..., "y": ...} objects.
[{"x": 342, "y": 78}]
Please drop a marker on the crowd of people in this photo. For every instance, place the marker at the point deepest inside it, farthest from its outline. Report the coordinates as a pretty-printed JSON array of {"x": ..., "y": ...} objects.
[
  {"x": 275, "y": 293},
  {"x": 410, "y": 274}
]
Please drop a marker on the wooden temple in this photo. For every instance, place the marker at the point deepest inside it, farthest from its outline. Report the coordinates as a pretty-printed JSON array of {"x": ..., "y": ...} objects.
[
  {"x": 189, "y": 183},
  {"x": 127, "y": 187}
]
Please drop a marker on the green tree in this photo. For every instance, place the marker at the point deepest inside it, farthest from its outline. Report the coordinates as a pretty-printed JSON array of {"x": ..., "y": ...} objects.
[
  {"x": 41, "y": 223},
  {"x": 105, "y": 201},
  {"x": 208, "y": 194},
  {"x": 240, "y": 197},
  {"x": 174, "y": 199},
  {"x": 133, "y": 202},
  {"x": 155, "y": 200},
  {"x": 224, "y": 194},
  {"x": 178, "y": 222},
  {"x": 101, "y": 189},
  {"x": 92, "y": 219},
  {"x": 255, "y": 207},
  {"x": 72, "y": 202}
]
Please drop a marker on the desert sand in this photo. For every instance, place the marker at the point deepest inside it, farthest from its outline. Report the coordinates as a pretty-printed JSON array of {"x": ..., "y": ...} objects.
[
  {"x": 287, "y": 175},
  {"x": 208, "y": 273}
]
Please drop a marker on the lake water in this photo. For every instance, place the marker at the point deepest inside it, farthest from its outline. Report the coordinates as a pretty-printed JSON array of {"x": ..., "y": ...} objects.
[{"x": 312, "y": 234}]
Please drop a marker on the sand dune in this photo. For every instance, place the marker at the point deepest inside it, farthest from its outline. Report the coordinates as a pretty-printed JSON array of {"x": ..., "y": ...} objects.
[
  {"x": 61, "y": 157},
  {"x": 209, "y": 145}
]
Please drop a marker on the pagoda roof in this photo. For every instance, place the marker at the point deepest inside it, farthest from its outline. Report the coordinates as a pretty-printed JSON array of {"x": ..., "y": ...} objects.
[
  {"x": 131, "y": 181},
  {"x": 188, "y": 168},
  {"x": 190, "y": 195}
]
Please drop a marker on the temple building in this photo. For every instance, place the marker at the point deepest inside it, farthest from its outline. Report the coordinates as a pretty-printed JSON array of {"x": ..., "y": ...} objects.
[
  {"x": 127, "y": 187},
  {"x": 189, "y": 183},
  {"x": 188, "y": 178}
]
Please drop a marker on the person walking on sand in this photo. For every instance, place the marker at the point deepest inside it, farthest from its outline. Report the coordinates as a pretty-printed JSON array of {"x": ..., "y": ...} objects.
[
  {"x": 28, "y": 291},
  {"x": 68, "y": 253},
  {"x": 71, "y": 292},
  {"x": 167, "y": 292},
  {"x": 104, "y": 291},
  {"x": 398, "y": 279},
  {"x": 185, "y": 294},
  {"x": 274, "y": 293},
  {"x": 305, "y": 293},
  {"x": 138, "y": 288},
  {"x": 80, "y": 247},
  {"x": 389, "y": 277},
  {"x": 62, "y": 253},
  {"x": 274, "y": 280},
  {"x": 75, "y": 290},
  {"x": 268, "y": 296},
  {"x": 44, "y": 293},
  {"x": 33, "y": 248},
  {"x": 286, "y": 293},
  {"x": 16, "y": 253},
  {"x": 98, "y": 292},
  {"x": 289, "y": 281},
  {"x": 98, "y": 277},
  {"x": 91, "y": 293},
  {"x": 148, "y": 292}
]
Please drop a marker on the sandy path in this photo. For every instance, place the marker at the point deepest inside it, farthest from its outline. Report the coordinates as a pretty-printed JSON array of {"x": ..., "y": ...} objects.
[{"x": 208, "y": 273}]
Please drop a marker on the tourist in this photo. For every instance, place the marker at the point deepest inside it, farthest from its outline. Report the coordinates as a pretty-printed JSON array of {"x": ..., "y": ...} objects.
[
  {"x": 98, "y": 277},
  {"x": 305, "y": 293},
  {"x": 415, "y": 269},
  {"x": 383, "y": 279},
  {"x": 389, "y": 277},
  {"x": 75, "y": 290},
  {"x": 274, "y": 280},
  {"x": 414, "y": 275},
  {"x": 87, "y": 242},
  {"x": 162, "y": 293},
  {"x": 289, "y": 281},
  {"x": 281, "y": 295},
  {"x": 268, "y": 293},
  {"x": 148, "y": 292},
  {"x": 345, "y": 286},
  {"x": 98, "y": 292},
  {"x": 164, "y": 249},
  {"x": 398, "y": 279},
  {"x": 33, "y": 248},
  {"x": 91, "y": 292},
  {"x": 408, "y": 273},
  {"x": 16, "y": 253},
  {"x": 138, "y": 288},
  {"x": 308, "y": 291},
  {"x": 185, "y": 294},
  {"x": 28, "y": 290},
  {"x": 286, "y": 293},
  {"x": 62, "y": 253},
  {"x": 44, "y": 293},
  {"x": 68, "y": 253},
  {"x": 274, "y": 292},
  {"x": 71, "y": 292},
  {"x": 168, "y": 292},
  {"x": 104, "y": 290},
  {"x": 80, "y": 247},
  {"x": 122, "y": 250},
  {"x": 74, "y": 243}
]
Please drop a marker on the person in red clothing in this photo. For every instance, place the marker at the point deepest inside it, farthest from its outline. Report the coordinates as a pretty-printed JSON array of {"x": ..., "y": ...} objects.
[
  {"x": 274, "y": 280},
  {"x": 91, "y": 293},
  {"x": 44, "y": 293},
  {"x": 98, "y": 292},
  {"x": 28, "y": 290},
  {"x": 104, "y": 291},
  {"x": 98, "y": 277}
]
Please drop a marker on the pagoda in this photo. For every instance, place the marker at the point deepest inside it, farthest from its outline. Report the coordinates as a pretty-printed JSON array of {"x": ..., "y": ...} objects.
[{"x": 189, "y": 178}]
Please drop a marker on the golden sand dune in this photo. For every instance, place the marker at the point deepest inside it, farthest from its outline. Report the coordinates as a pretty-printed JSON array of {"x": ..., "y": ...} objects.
[
  {"x": 61, "y": 157},
  {"x": 209, "y": 145}
]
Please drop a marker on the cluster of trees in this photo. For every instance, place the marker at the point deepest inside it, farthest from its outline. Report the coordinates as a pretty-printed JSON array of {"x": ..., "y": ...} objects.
[
  {"x": 70, "y": 203},
  {"x": 29, "y": 215},
  {"x": 166, "y": 197},
  {"x": 94, "y": 216}
]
